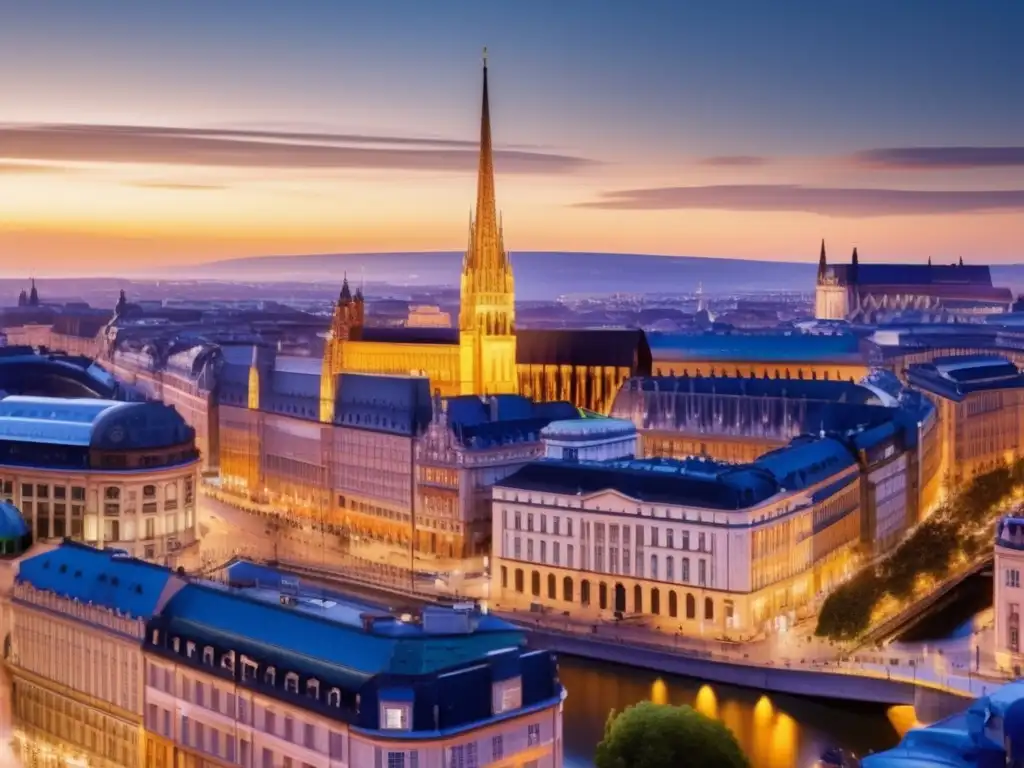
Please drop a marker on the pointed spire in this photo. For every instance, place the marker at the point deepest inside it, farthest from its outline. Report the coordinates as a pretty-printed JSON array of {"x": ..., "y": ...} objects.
[
  {"x": 486, "y": 220},
  {"x": 822, "y": 264},
  {"x": 961, "y": 261},
  {"x": 346, "y": 292},
  {"x": 33, "y": 296},
  {"x": 929, "y": 261},
  {"x": 855, "y": 262}
]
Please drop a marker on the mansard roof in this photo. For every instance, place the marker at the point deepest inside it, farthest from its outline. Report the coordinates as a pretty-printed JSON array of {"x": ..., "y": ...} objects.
[
  {"x": 399, "y": 405},
  {"x": 955, "y": 377},
  {"x": 106, "y": 578},
  {"x": 496, "y": 420}
]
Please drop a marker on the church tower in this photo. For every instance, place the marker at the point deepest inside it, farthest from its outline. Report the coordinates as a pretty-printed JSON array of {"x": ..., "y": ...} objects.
[
  {"x": 487, "y": 341},
  {"x": 830, "y": 297},
  {"x": 349, "y": 313}
]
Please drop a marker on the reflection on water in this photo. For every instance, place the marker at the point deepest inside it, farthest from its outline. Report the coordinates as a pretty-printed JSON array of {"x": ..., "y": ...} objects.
[{"x": 775, "y": 732}]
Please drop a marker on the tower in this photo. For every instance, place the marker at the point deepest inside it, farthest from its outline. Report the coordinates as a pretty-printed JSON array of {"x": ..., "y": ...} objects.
[
  {"x": 830, "y": 297},
  {"x": 822, "y": 264},
  {"x": 487, "y": 342},
  {"x": 349, "y": 313},
  {"x": 33, "y": 296}
]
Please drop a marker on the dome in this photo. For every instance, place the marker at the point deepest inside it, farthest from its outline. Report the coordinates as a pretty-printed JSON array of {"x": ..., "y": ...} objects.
[{"x": 15, "y": 536}]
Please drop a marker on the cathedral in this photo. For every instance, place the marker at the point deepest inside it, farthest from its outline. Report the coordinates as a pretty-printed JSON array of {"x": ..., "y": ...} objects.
[
  {"x": 485, "y": 354},
  {"x": 878, "y": 293}
]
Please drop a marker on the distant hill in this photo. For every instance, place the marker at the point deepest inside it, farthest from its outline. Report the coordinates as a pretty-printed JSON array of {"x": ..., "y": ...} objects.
[{"x": 539, "y": 275}]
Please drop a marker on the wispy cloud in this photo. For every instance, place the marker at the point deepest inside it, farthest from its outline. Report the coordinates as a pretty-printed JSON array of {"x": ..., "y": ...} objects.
[
  {"x": 261, "y": 149},
  {"x": 826, "y": 201},
  {"x": 29, "y": 168},
  {"x": 941, "y": 158},
  {"x": 175, "y": 185},
  {"x": 734, "y": 160}
]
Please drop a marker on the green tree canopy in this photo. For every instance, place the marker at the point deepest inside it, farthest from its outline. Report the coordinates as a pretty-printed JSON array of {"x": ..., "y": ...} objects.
[{"x": 651, "y": 735}]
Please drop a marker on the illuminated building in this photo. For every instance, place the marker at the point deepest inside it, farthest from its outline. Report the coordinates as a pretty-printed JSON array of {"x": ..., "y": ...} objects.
[
  {"x": 102, "y": 471},
  {"x": 979, "y": 400},
  {"x": 890, "y": 429},
  {"x": 470, "y": 444},
  {"x": 486, "y": 354},
  {"x": 696, "y": 546},
  {"x": 73, "y": 649},
  {"x": 1008, "y": 594},
  {"x": 428, "y": 317},
  {"x": 874, "y": 293},
  {"x": 269, "y": 673}
]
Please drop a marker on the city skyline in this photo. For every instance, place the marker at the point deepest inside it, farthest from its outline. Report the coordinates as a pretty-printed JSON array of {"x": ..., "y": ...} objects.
[{"x": 204, "y": 133}]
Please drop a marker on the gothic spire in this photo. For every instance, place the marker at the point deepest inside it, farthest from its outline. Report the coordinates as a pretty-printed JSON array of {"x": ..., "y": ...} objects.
[
  {"x": 822, "y": 264},
  {"x": 486, "y": 242},
  {"x": 854, "y": 262},
  {"x": 346, "y": 292}
]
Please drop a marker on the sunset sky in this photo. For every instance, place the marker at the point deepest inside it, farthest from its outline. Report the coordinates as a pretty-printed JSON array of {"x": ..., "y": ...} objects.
[{"x": 146, "y": 134}]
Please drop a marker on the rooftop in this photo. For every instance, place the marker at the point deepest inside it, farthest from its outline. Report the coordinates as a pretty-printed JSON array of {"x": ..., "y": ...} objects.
[
  {"x": 787, "y": 347},
  {"x": 88, "y": 422},
  {"x": 955, "y": 377},
  {"x": 588, "y": 429}
]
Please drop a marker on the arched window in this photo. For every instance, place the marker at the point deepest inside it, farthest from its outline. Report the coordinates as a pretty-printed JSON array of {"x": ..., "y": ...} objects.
[
  {"x": 208, "y": 655},
  {"x": 673, "y": 604},
  {"x": 270, "y": 676},
  {"x": 638, "y": 599},
  {"x": 535, "y": 583},
  {"x": 291, "y": 682},
  {"x": 552, "y": 587},
  {"x": 655, "y": 601},
  {"x": 585, "y": 592},
  {"x": 313, "y": 688},
  {"x": 334, "y": 697},
  {"x": 691, "y": 607},
  {"x": 709, "y": 609},
  {"x": 602, "y": 596},
  {"x": 567, "y": 589},
  {"x": 519, "y": 580},
  {"x": 112, "y": 493},
  {"x": 504, "y": 577}
]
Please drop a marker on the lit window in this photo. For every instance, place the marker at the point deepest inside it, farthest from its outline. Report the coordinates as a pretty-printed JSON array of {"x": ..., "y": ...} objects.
[{"x": 395, "y": 718}]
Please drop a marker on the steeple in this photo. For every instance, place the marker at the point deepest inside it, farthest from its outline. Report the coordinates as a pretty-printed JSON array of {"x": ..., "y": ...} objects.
[
  {"x": 33, "y": 296},
  {"x": 854, "y": 261},
  {"x": 961, "y": 261},
  {"x": 346, "y": 293},
  {"x": 822, "y": 264}
]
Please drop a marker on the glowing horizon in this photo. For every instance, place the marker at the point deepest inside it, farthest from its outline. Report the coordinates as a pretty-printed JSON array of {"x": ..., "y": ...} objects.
[{"x": 204, "y": 135}]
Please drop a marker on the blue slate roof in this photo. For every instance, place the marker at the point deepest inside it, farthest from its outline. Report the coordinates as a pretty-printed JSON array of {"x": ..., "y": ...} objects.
[
  {"x": 105, "y": 424},
  {"x": 956, "y": 377},
  {"x": 399, "y": 405},
  {"x": 101, "y": 577},
  {"x": 806, "y": 461},
  {"x": 12, "y": 524},
  {"x": 24, "y": 369},
  {"x": 775, "y": 347},
  {"x": 913, "y": 274},
  {"x": 502, "y": 419}
]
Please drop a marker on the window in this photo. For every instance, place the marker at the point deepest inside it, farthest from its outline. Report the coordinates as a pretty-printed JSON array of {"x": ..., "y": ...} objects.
[
  {"x": 269, "y": 676},
  {"x": 508, "y": 695},
  {"x": 309, "y": 737},
  {"x": 149, "y": 491},
  {"x": 208, "y": 656},
  {"x": 248, "y": 669},
  {"x": 227, "y": 661},
  {"x": 1012, "y": 577},
  {"x": 190, "y": 649},
  {"x": 497, "y": 747},
  {"x": 336, "y": 745},
  {"x": 313, "y": 688},
  {"x": 291, "y": 682},
  {"x": 396, "y": 759},
  {"x": 533, "y": 735},
  {"x": 395, "y": 718}
]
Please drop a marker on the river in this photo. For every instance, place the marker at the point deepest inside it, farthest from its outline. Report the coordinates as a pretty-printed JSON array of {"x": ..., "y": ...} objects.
[{"x": 775, "y": 732}]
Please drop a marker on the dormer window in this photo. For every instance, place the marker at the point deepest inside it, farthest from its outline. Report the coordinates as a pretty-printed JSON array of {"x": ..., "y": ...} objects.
[
  {"x": 507, "y": 695},
  {"x": 270, "y": 676},
  {"x": 249, "y": 668},
  {"x": 334, "y": 697},
  {"x": 176, "y": 644},
  {"x": 313, "y": 689},
  {"x": 227, "y": 661},
  {"x": 208, "y": 655},
  {"x": 190, "y": 649},
  {"x": 291, "y": 682}
]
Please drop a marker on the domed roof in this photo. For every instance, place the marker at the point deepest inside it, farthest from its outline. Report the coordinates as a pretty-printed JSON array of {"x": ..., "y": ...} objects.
[
  {"x": 12, "y": 524},
  {"x": 587, "y": 429}
]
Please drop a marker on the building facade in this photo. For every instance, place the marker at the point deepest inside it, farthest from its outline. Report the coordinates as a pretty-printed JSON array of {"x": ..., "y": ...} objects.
[
  {"x": 273, "y": 675},
  {"x": 1008, "y": 594},
  {"x": 695, "y": 547},
  {"x": 110, "y": 473},
  {"x": 980, "y": 402},
  {"x": 73, "y": 650}
]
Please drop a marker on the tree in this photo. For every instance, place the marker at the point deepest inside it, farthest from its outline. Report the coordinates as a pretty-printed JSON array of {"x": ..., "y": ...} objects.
[{"x": 649, "y": 735}]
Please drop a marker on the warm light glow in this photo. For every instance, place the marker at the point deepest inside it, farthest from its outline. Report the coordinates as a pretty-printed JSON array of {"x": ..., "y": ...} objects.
[
  {"x": 706, "y": 702},
  {"x": 903, "y": 718},
  {"x": 763, "y": 711},
  {"x": 785, "y": 734},
  {"x": 659, "y": 692}
]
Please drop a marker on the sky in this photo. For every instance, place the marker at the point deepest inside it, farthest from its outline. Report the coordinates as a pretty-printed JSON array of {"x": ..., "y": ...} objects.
[{"x": 162, "y": 134}]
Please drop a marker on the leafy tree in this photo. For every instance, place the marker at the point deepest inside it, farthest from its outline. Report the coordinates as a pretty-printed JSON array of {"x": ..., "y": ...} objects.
[{"x": 649, "y": 735}]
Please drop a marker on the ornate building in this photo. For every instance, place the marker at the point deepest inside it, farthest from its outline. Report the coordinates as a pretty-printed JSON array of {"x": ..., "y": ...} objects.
[
  {"x": 477, "y": 359},
  {"x": 486, "y": 354},
  {"x": 871, "y": 293}
]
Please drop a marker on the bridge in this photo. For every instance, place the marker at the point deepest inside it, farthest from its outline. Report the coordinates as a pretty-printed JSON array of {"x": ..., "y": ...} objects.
[{"x": 917, "y": 610}]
